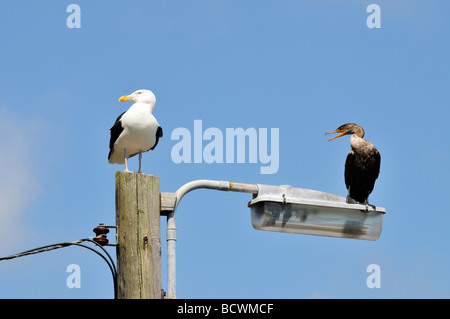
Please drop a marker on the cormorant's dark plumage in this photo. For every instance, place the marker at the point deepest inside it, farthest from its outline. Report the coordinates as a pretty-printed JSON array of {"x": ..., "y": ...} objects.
[{"x": 362, "y": 166}]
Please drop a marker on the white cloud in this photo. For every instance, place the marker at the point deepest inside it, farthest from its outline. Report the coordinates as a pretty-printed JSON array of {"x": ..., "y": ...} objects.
[{"x": 18, "y": 179}]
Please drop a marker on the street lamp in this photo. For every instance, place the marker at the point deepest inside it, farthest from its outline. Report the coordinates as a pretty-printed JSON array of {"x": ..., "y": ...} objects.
[
  {"x": 281, "y": 209},
  {"x": 304, "y": 211}
]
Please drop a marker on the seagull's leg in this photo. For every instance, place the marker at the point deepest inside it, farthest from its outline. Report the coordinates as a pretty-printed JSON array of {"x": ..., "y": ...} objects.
[
  {"x": 126, "y": 161},
  {"x": 140, "y": 158}
]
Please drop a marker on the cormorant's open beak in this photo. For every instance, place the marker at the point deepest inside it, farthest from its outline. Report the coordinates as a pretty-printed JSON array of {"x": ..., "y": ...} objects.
[
  {"x": 337, "y": 131},
  {"x": 125, "y": 98}
]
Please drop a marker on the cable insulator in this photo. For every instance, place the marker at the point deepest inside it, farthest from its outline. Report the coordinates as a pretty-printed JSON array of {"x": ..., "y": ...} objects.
[{"x": 100, "y": 233}]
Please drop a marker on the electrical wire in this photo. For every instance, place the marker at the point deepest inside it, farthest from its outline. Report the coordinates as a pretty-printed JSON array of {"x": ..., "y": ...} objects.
[{"x": 46, "y": 248}]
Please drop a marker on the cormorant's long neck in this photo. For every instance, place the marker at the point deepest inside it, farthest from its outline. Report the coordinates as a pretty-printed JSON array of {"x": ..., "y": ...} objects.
[{"x": 359, "y": 144}]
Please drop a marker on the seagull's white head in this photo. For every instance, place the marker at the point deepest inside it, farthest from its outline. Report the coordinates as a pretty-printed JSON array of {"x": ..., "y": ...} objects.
[{"x": 140, "y": 96}]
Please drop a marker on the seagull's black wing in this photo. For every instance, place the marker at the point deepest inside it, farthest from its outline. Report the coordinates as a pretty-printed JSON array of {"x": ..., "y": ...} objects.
[
  {"x": 116, "y": 130},
  {"x": 159, "y": 133}
]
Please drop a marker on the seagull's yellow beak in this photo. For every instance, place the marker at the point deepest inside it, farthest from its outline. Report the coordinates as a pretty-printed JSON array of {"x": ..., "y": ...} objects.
[
  {"x": 337, "y": 131},
  {"x": 125, "y": 98}
]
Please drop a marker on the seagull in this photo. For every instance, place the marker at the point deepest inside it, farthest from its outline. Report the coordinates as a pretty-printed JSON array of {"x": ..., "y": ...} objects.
[
  {"x": 136, "y": 130},
  {"x": 362, "y": 165}
]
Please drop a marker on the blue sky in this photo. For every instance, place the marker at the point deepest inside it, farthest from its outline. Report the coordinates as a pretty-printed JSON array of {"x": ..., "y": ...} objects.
[{"x": 305, "y": 67}]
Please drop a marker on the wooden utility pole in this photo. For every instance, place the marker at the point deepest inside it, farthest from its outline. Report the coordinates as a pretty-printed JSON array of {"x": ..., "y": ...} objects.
[{"x": 139, "y": 239}]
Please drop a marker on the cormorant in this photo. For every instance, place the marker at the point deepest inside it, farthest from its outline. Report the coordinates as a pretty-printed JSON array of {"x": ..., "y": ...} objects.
[{"x": 362, "y": 166}]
